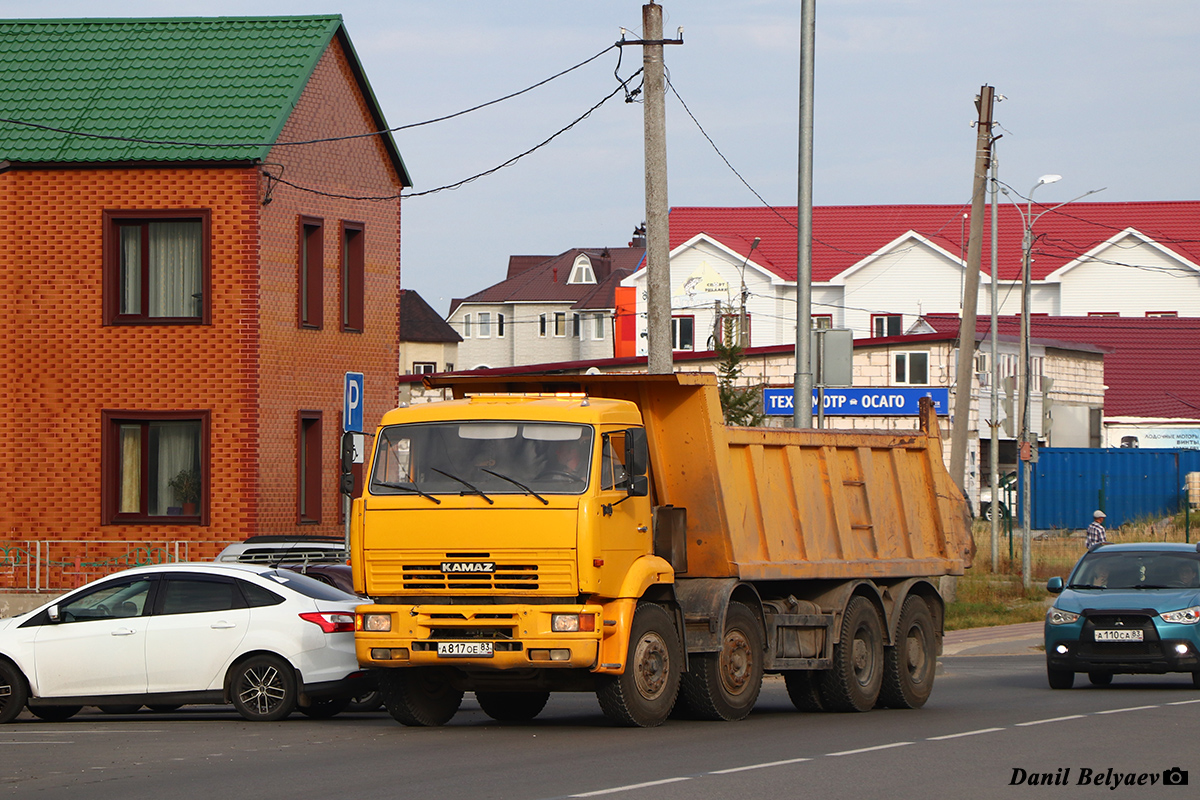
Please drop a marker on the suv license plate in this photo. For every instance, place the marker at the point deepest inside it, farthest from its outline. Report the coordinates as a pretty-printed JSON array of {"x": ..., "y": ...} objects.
[
  {"x": 1118, "y": 636},
  {"x": 466, "y": 649}
]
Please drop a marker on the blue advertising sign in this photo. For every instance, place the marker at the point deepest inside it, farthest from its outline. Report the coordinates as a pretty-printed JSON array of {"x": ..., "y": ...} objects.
[
  {"x": 352, "y": 403},
  {"x": 875, "y": 401}
]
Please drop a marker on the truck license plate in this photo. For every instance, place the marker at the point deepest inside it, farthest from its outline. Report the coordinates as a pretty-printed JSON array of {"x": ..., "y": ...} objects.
[
  {"x": 464, "y": 649},
  {"x": 1118, "y": 636}
]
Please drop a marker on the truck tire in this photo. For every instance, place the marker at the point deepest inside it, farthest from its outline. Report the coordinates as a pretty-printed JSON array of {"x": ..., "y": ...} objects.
[
  {"x": 325, "y": 708},
  {"x": 725, "y": 685},
  {"x": 854, "y": 681},
  {"x": 909, "y": 666},
  {"x": 13, "y": 692},
  {"x": 645, "y": 692},
  {"x": 512, "y": 706},
  {"x": 802, "y": 689},
  {"x": 419, "y": 696}
]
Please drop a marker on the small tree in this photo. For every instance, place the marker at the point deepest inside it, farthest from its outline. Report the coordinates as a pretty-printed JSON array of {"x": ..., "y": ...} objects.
[{"x": 741, "y": 405}]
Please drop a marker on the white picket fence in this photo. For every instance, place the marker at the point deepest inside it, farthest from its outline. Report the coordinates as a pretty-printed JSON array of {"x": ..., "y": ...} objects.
[{"x": 58, "y": 565}]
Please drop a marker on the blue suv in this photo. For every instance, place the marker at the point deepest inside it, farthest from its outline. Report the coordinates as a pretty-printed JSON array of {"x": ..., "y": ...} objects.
[{"x": 1126, "y": 608}]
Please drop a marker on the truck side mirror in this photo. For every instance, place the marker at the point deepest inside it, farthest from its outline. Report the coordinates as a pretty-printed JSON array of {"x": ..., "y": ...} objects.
[{"x": 637, "y": 459}]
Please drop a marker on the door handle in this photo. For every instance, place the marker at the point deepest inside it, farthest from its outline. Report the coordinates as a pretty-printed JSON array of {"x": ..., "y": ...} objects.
[
  {"x": 222, "y": 625},
  {"x": 124, "y": 632}
]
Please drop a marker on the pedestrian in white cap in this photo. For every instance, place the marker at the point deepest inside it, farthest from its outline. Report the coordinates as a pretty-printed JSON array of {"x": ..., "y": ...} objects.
[{"x": 1095, "y": 531}]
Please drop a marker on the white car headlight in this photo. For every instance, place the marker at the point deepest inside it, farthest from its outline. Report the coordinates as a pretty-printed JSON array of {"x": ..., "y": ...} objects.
[
  {"x": 1056, "y": 616},
  {"x": 1186, "y": 616}
]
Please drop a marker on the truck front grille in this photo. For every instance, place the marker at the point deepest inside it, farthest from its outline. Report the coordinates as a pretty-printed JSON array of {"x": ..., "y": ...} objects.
[{"x": 429, "y": 577}]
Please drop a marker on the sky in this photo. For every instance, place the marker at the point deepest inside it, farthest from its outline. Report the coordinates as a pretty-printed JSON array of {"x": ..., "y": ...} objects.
[{"x": 1101, "y": 92}]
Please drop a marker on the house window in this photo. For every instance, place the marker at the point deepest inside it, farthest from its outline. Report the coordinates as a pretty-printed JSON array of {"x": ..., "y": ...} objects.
[
  {"x": 1162, "y": 313},
  {"x": 911, "y": 369},
  {"x": 155, "y": 467},
  {"x": 156, "y": 267},
  {"x": 542, "y": 326},
  {"x": 485, "y": 325},
  {"x": 312, "y": 269},
  {"x": 683, "y": 333},
  {"x": 581, "y": 271},
  {"x": 308, "y": 467},
  {"x": 560, "y": 323},
  {"x": 500, "y": 325},
  {"x": 885, "y": 324},
  {"x": 467, "y": 326},
  {"x": 1035, "y": 373},
  {"x": 598, "y": 331},
  {"x": 353, "y": 276},
  {"x": 576, "y": 326},
  {"x": 424, "y": 368},
  {"x": 449, "y": 366},
  {"x": 1105, "y": 314},
  {"x": 822, "y": 322}
]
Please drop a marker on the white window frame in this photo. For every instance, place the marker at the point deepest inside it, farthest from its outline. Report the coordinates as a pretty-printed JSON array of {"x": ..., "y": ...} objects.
[
  {"x": 499, "y": 326},
  {"x": 676, "y": 332},
  {"x": 485, "y": 325},
  {"x": 598, "y": 331},
  {"x": 560, "y": 324},
  {"x": 581, "y": 271},
  {"x": 466, "y": 326},
  {"x": 906, "y": 357},
  {"x": 876, "y": 319},
  {"x": 542, "y": 326}
]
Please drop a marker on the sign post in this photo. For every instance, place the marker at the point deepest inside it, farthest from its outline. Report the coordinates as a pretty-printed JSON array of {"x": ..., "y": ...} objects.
[{"x": 352, "y": 441}]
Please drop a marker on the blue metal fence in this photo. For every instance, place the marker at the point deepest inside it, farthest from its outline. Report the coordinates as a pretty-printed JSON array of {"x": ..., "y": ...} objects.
[{"x": 1126, "y": 483}]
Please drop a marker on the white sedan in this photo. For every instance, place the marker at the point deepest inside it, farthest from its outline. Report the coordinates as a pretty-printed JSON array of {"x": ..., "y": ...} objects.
[{"x": 269, "y": 641}]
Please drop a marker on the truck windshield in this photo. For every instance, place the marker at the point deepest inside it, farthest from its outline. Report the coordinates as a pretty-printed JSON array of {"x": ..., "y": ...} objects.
[{"x": 533, "y": 458}]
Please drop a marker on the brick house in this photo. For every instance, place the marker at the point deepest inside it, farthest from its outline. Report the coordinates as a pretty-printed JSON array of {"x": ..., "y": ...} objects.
[{"x": 182, "y": 293}]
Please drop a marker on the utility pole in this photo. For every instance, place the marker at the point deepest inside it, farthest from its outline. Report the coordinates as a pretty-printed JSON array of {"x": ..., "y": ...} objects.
[
  {"x": 658, "y": 249},
  {"x": 802, "y": 382},
  {"x": 961, "y": 424}
]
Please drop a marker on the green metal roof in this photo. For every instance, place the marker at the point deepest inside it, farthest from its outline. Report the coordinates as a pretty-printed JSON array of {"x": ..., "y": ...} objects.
[{"x": 229, "y": 80}]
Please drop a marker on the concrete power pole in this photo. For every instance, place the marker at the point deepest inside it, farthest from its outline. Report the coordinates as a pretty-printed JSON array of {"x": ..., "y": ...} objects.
[
  {"x": 658, "y": 250},
  {"x": 961, "y": 424},
  {"x": 802, "y": 380}
]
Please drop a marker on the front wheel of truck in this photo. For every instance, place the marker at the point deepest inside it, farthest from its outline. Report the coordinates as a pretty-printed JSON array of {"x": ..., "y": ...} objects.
[
  {"x": 419, "y": 696},
  {"x": 725, "y": 685},
  {"x": 512, "y": 706},
  {"x": 645, "y": 692}
]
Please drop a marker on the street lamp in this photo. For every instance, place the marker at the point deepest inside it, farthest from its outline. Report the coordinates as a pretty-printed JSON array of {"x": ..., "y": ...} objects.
[
  {"x": 743, "y": 339},
  {"x": 1024, "y": 443}
]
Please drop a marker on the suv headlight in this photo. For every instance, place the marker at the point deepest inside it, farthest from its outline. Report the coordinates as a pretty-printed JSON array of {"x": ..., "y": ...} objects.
[
  {"x": 1056, "y": 616},
  {"x": 1186, "y": 616}
]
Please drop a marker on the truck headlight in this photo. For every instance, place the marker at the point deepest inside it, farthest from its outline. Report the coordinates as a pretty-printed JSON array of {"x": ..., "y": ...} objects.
[
  {"x": 572, "y": 623},
  {"x": 1186, "y": 616},
  {"x": 380, "y": 623},
  {"x": 1056, "y": 616}
]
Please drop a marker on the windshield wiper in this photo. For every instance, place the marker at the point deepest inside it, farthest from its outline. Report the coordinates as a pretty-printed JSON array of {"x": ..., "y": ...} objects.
[
  {"x": 1153, "y": 586},
  {"x": 1087, "y": 586},
  {"x": 474, "y": 489},
  {"x": 408, "y": 487},
  {"x": 516, "y": 483}
]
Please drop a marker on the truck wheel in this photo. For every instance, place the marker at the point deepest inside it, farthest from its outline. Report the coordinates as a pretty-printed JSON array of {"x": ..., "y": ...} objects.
[
  {"x": 854, "y": 681},
  {"x": 325, "y": 708},
  {"x": 13, "y": 693},
  {"x": 1060, "y": 678},
  {"x": 1100, "y": 678},
  {"x": 725, "y": 685},
  {"x": 263, "y": 688},
  {"x": 909, "y": 666},
  {"x": 512, "y": 706},
  {"x": 802, "y": 689},
  {"x": 644, "y": 693},
  {"x": 419, "y": 696}
]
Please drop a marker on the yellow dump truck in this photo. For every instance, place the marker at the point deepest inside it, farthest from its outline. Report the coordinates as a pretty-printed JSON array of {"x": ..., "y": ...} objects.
[{"x": 611, "y": 534}]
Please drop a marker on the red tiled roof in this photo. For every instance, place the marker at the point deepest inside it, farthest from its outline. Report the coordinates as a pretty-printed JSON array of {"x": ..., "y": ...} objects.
[
  {"x": 547, "y": 281},
  {"x": 1150, "y": 370},
  {"x": 420, "y": 323},
  {"x": 844, "y": 235}
]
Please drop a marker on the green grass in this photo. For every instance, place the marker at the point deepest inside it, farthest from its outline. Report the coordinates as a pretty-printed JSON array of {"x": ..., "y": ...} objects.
[{"x": 985, "y": 597}]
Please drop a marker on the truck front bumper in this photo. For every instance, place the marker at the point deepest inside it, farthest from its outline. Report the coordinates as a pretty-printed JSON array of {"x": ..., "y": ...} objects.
[{"x": 490, "y": 637}]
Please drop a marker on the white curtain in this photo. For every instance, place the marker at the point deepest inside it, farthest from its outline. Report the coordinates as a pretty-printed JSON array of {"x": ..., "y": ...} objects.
[
  {"x": 131, "y": 469},
  {"x": 175, "y": 269},
  {"x": 131, "y": 269},
  {"x": 177, "y": 446}
]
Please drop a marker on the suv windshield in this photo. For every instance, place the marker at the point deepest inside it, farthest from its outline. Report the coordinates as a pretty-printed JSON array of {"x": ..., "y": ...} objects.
[
  {"x": 482, "y": 458},
  {"x": 1136, "y": 570}
]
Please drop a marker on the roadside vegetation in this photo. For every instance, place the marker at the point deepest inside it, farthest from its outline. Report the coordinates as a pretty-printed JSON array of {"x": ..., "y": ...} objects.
[{"x": 986, "y": 596}]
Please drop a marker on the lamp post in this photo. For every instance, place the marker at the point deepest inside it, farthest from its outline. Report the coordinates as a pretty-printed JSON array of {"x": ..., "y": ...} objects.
[
  {"x": 743, "y": 339},
  {"x": 1024, "y": 443}
]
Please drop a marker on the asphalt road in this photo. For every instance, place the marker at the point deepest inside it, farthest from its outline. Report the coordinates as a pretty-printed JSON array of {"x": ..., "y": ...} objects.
[{"x": 990, "y": 715}]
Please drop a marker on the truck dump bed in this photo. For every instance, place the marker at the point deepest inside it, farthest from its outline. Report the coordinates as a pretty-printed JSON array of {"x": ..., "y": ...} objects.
[{"x": 782, "y": 503}]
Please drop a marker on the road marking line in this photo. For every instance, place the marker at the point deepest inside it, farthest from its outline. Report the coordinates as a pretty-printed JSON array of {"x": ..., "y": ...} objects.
[
  {"x": 41, "y": 742},
  {"x": 869, "y": 749},
  {"x": 630, "y": 787},
  {"x": 1120, "y": 710},
  {"x": 1052, "y": 719},
  {"x": 1183, "y": 702},
  {"x": 759, "y": 766},
  {"x": 960, "y": 735}
]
